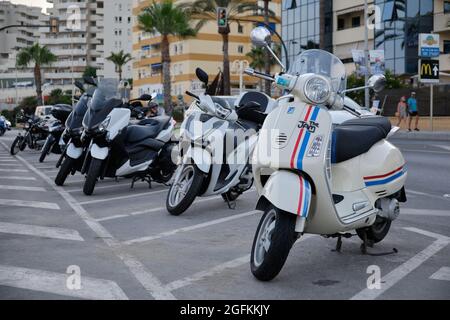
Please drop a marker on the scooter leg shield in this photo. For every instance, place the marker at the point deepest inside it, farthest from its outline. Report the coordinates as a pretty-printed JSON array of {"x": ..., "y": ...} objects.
[
  {"x": 73, "y": 151},
  {"x": 98, "y": 152},
  {"x": 200, "y": 157},
  {"x": 289, "y": 192}
]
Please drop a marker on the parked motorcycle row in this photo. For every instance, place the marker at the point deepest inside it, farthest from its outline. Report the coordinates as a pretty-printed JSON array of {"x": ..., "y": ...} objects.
[{"x": 320, "y": 164}]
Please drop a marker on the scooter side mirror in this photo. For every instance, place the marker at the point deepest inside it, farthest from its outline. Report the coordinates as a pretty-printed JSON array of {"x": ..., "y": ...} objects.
[
  {"x": 202, "y": 76},
  {"x": 90, "y": 80},
  {"x": 145, "y": 97},
  {"x": 261, "y": 37},
  {"x": 79, "y": 85},
  {"x": 377, "y": 83}
]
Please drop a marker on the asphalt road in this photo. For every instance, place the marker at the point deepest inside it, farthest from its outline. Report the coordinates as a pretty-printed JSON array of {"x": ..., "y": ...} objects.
[{"x": 126, "y": 246}]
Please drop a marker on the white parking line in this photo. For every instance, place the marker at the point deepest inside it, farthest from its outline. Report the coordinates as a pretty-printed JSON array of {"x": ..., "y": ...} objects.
[
  {"x": 56, "y": 283},
  {"x": 153, "y": 210},
  {"x": 7, "y": 160},
  {"x": 426, "y": 195},
  {"x": 118, "y": 184},
  {"x": 425, "y": 212},
  {"x": 150, "y": 282},
  {"x": 190, "y": 228},
  {"x": 29, "y": 204},
  {"x": 123, "y": 197},
  {"x": 442, "y": 147},
  {"x": 442, "y": 274},
  {"x": 38, "y": 231},
  {"x": 218, "y": 269},
  {"x": 19, "y": 178},
  {"x": 409, "y": 266},
  {"x": 10, "y": 165},
  {"x": 22, "y": 188},
  {"x": 13, "y": 170}
]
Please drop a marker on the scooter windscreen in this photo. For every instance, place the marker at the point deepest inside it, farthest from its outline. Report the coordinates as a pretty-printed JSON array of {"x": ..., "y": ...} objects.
[
  {"x": 75, "y": 120},
  {"x": 322, "y": 63},
  {"x": 105, "y": 99}
]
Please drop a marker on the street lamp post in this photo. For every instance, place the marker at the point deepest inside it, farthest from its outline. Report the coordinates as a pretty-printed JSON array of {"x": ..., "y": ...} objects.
[{"x": 240, "y": 66}]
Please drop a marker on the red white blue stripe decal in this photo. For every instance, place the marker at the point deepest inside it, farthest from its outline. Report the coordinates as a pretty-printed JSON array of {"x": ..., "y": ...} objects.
[
  {"x": 303, "y": 139},
  {"x": 384, "y": 178},
  {"x": 304, "y": 198}
]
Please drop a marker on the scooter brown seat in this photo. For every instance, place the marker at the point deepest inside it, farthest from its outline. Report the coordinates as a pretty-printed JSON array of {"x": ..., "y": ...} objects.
[{"x": 356, "y": 136}]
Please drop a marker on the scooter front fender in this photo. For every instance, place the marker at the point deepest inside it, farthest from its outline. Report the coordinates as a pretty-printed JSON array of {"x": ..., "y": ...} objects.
[
  {"x": 98, "y": 152},
  {"x": 73, "y": 151},
  {"x": 289, "y": 192},
  {"x": 200, "y": 157}
]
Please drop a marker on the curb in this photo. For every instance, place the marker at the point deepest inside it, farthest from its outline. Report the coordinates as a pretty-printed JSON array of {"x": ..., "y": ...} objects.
[{"x": 423, "y": 135}]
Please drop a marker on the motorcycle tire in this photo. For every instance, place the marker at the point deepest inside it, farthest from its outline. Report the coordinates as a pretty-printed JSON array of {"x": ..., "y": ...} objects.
[
  {"x": 282, "y": 238},
  {"x": 15, "y": 147},
  {"x": 190, "y": 195},
  {"x": 64, "y": 171},
  {"x": 231, "y": 195},
  {"x": 376, "y": 232},
  {"x": 45, "y": 151},
  {"x": 2, "y": 131},
  {"x": 93, "y": 173}
]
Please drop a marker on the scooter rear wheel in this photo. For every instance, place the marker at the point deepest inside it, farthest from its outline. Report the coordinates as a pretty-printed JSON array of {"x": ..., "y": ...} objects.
[
  {"x": 15, "y": 147},
  {"x": 273, "y": 241},
  {"x": 376, "y": 232},
  {"x": 92, "y": 176},
  {"x": 184, "y": 191},
  {"x": 45, "y": 151}
]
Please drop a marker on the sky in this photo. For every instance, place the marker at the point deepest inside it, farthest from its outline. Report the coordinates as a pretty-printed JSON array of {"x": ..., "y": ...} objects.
[{"x": 36, "y": 3}]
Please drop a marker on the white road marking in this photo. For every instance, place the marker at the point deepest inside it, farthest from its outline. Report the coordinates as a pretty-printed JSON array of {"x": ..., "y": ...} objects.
[
  {"x": 10, "y": 165},
  {"x": 442, "y": 274},
  {"x": 19, "y": 178},
  {"x": 442, "y": 147},
  {"x": 55, "y": 283},
  {"x": 150, "y": 282},
  {"x": 22, "y": 188},
  {"x": 29, "y": 204},
  {"x": 123, "y": 197},
  {"x": 38, "y": 231},
  {"x": 218, "y": 269},
  {"x": 190, "y": 228},
  {"x": 7, "y": 160},
  {"x": 425, "y": 212},
  {"x": 13, "y": 170},
  {"x": 407, "y": 267},
  {"x": 425, "y": 194},
  {"x": 153, "y": 210},
  {"x": 425, "y": 151},
  {"x": 118, "y": 184}
]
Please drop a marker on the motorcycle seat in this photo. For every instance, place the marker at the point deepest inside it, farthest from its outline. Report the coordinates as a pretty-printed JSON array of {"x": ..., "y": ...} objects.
[
  {"x": 148, "y": 128},
  {"x": 356, "y": 136}
]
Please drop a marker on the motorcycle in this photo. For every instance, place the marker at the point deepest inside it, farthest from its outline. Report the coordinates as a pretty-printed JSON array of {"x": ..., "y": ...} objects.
[
  {"x": 340, "y": 178},
  {"x": 216, "y": 144},
  {"x": 54, "y": 143},
  {"x": 72, "y": 157},
  {"x": 117, "y": 149},
  {"x": 35, "y": 134}
]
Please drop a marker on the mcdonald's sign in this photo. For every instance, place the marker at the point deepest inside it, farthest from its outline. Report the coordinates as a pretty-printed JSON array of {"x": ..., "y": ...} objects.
[{"x": 429, "y": 71}]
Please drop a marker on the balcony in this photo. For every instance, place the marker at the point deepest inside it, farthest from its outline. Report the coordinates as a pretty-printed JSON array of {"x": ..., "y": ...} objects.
[
  {"x": 441, "y": 23},
  {"x": 68, "y": 63},
  {"x": 63, "y": 75},
  {"x": 63, "y": 40},
  {"x": 69, "y": 52},
  {"x": 350, "y": 35}
]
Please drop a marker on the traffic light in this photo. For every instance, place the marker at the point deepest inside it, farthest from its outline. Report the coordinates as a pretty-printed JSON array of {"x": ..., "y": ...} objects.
[
  {"x": 54, "y": 25},
  {"x": 222, "y": 18}
]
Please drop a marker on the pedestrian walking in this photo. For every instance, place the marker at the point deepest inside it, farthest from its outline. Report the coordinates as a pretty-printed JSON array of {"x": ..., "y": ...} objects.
[
  {"x": 402, "y": 111},
  {"x": 413, "y": 111}
]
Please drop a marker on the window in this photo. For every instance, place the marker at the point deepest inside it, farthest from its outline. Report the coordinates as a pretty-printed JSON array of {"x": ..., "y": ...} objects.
[
  {"x": 341, "y": 24},
  {"x": 240, "y": 29},
  {"x": 356, "y": 22},
  {"x": 446, "y": 46},
  {"x": 446, "y": 7},
  {"x": 388, "y": 12},
  {"x": 241, "y": 49},
  {"x": 290, "y": 4}
]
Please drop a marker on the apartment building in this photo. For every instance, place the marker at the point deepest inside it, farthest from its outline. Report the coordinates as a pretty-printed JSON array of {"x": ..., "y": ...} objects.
[
  {"x": 17, "y": 38},
  {"x": 442, "y": 27},
  {"x": 89, "y": 31},
  {"x": 205, "y": 51}
]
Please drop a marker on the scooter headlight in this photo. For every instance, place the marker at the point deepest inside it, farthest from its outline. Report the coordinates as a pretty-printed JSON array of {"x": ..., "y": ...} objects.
[
  {"x": 317, "y": 89},
  {"x": 104, "y": 125}
]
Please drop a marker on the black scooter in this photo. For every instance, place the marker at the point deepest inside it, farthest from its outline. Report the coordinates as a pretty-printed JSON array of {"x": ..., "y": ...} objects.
[{"x": 34, "y": 136}]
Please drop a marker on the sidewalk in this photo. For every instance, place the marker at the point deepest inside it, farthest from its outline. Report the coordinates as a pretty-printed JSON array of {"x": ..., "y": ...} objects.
[{"x": 441, "y": 129}]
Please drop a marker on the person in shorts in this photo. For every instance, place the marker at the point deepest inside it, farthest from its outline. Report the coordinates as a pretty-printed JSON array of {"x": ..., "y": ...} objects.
[
  {"x": 402, "y": 111},
  {"x": 413, "y": 111}
]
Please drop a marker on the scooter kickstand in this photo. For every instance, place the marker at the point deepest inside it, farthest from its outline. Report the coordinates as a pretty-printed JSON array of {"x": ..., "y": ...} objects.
[
  {"x": 338, "y": 245},
  {"x": 369, "y": 243}
]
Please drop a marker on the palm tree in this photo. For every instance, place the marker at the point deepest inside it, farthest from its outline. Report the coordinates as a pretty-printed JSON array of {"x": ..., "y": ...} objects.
[
  {"x": 119, "y": 59},
  {"x": 258, "y": 61},
  {"x": 168, "y": 20},
  {"x": 206, "y": 10},
  {"x": 40, "y": 56}
]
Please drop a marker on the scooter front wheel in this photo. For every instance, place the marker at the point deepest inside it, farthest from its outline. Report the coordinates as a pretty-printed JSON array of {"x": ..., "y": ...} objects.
[
  {"x": 92, "y": 176},
  {"x": 273, "y": 241},
  {"x": 64, "y": 170},
  {"x": 45, "y": 150},
  {"x": 184, "y": 190}
]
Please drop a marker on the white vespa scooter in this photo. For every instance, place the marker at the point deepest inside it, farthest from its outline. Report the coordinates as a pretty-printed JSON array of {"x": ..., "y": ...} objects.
[
  {"x": 313, "y": 177},
  {"x": 216, "y": 144}
]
